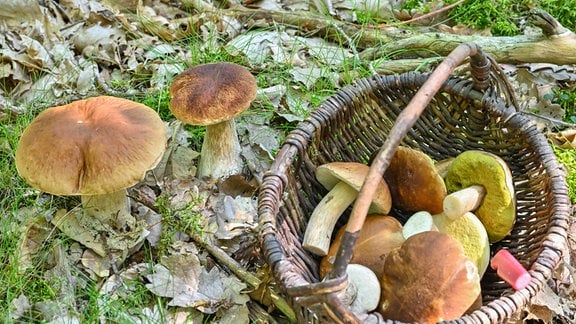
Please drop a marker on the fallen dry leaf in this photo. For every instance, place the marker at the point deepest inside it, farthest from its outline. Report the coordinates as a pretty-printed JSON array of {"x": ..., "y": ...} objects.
[{"x": 565, "y": 139}]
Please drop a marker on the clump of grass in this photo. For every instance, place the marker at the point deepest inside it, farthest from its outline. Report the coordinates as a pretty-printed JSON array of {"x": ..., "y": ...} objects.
[
  {"x": 178, "y": 219},
  {"x": 566, "y": 98},
  {"x": 567, "y": 157}
]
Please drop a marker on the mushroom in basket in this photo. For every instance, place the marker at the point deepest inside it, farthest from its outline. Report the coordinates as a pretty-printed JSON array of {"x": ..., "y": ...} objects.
[
  {"x": 379, "y": 235},
  {"x": 362, "y": 293},
  {"x": 482, "y": 182},
  {"x": 466, "y": 229},
  {"x": 428, "y": 279},
  {"x": 414, "y": 182},
  {"x": 344, "y": 180}
]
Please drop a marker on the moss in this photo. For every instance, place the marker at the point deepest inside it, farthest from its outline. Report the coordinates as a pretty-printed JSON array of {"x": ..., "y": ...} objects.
[
  {"x": 502, "y": 16},
  {"x": 499, "y": 15}
]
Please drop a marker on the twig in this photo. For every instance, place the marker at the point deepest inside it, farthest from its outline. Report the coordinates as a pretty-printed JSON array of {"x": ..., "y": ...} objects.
[
  {"x": 430, "y": 14},
  {"x": 243, "y": 274},
  {"x": 553, "y": 121}
]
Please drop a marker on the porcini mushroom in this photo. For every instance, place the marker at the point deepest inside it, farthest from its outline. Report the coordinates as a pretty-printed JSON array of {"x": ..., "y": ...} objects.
[
  {"x": 419, "y": 222},
  {"x": 362, "y": 293},
  {"x": 95, "y": 148},
  {"x": 427, "y": 280},
  {"x": 212, "y": 95},
  {"x": 379, "y": 235},
  {"x": 414, "y": 183},
  {"x": 487, "y": 183},
  {"x": 466, "y": 229},
  {"x": 344, "y": 180}
]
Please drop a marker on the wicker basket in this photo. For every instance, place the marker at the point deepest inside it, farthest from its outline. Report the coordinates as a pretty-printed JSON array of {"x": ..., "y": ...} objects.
[{"x": 355, "y": 123}]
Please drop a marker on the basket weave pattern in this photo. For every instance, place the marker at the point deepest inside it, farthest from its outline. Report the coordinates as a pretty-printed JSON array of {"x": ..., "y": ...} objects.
[{"x": 353, "y": 124}]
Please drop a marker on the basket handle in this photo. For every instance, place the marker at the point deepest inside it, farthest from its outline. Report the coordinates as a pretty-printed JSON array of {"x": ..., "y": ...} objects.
[{"x": 480, "y": 66}]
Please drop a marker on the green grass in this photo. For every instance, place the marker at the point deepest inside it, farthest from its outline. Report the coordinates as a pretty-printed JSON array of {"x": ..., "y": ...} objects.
[
  {"x": 566, "y": 98},
  {"x": 567, "y": 157}
]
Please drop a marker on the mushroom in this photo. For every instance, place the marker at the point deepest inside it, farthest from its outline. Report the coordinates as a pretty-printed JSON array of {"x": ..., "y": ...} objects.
[
  {"x": 379, "y": 235},
  {"x": 466, "y": 229},
  {"x": 442, "y": 166},
  {"x": 414, "y": 183},
  {"x": 419, "y": 222},
  {"x": 427, "y": 280},
  {"x": 212, "y": 95},
  {"x": 95, "y": 148},
  {"x": 344, "y": 180},
  {"x": 362, "y": 293},
  {"x": 482, "y": 182}
]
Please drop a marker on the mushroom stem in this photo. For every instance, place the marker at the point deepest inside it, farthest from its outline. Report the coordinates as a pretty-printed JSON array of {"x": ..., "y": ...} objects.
[
  {"x": 220, "y": 155},
  {"x": 363, "y": 290},
  {"x": 462, "y": 201},
  {"x": 419, "y": 222},
  {"x": 112, "y": 209},
  {"x": 324, "y": 218}
]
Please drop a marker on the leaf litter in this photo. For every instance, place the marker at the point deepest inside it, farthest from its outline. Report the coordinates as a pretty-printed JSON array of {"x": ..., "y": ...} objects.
[{"x": 76, "y": 48}]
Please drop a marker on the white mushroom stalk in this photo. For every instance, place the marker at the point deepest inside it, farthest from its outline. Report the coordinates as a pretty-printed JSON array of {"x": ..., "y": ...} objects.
[
  {"x": 344, "y": 180},
  {"x": 220, "y": 154},
  {"x": 465, "y": 200},
  {"x": 363, "y": 290},
  {"x": 325, "y": 216},
  {"x": 112, "y": 209}
]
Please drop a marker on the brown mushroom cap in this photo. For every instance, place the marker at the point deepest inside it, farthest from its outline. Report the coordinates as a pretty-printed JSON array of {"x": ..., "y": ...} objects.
[
  {"x": 211, "y": 93},
  {"x": 414, "y": 183},
  {"x": 353, "y": 174},
  {"x": 379, "y": 235},
  {"x": 89, "y": 147},
  {"x": 428, "y": 279}
]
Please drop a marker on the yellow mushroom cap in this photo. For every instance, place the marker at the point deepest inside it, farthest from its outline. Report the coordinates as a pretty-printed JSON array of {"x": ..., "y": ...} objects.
[{"x": 498, "y": 209}]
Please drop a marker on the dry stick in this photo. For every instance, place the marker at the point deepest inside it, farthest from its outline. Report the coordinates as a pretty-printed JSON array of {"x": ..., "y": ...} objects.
[
  {"x": 430, "y": 14},
  {"x": 404, "y": 122},
  {"x": 243, "y": 274}
]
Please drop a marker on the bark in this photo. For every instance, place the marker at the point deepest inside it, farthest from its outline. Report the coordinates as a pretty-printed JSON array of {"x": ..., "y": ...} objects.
[{"x": 560, "y": 49}]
